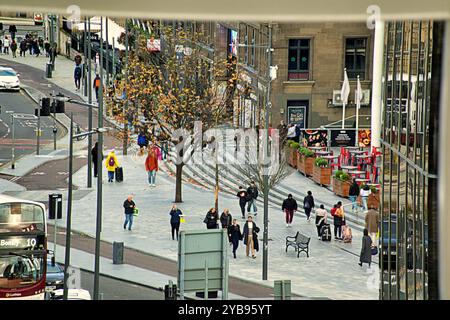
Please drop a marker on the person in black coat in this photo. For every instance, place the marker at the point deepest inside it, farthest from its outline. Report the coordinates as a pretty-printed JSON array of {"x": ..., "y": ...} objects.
[
  {"x": 308, "y": 205},
  {"x": 288, "y": 207},
  {"x": 235, "y": 235},
  {"x": 353, "y": 194},
  {"x": 94, "y": 154},
  {"x": 175, "y": 214},
  {"x": 366, "y": 249},
  {"x": 250, "y": 236},
  {"x": 243, "y": 197},
  {"x": 225, "y": 219},
  {"x": 129, "y": 206},
  {"x": 252, "y": 192},
  {"x": 211, "y": 219}
]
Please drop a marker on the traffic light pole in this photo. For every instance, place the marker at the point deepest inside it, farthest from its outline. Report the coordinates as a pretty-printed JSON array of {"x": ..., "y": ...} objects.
[
  {"x": 55, "y": 130},
  {"x": 89, "y": 165},
  {"x": 38, "y": 133}
]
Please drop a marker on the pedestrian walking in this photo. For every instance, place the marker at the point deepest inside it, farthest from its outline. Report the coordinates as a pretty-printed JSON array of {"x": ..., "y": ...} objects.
[
  {"x": 96, "y": 85},
  {"x": 14, "y": 48},
  {"x": 23, "y": 48},
  {"x": 308, "y": 205},
  {"x": 129, "y": 206},
  {"x": 175, "y": 219},
  {"x": 252, "y": 192},
  {"x": 36, "y": 49},
  {"x": 142, "y": 141},
  {"x": 211, "y": 219},
  {"x": 243, "y": 197},
  {"x": 366, "y": 249},
  {"x": 373, "y": 223},
  {"x": 250, "y": 235},
  {"x": 321, "y": 220},
  {"x": 30, "y": 45},
  {"x": 41, "y": 43},
  {"x": 289, "y": 206},
  {"x": 338, "y": 215},
  {"x": 225, "y": 219},
  {"x": 111, "y": 165},
  {"x": 77, "y": 73},
  {"x": 151, "y": 164},
  {"x": 1, "y": 46},
  {"x": 6, "y": 44},
  {"x": 46, "y": 48},
  {"x": 364, "y": 193},
  {"x": 12, "y": 30},
  {"x": 234, "y": 235},
  {"x": 353, "y": 194},
  {"x": 94, "y": 155}
]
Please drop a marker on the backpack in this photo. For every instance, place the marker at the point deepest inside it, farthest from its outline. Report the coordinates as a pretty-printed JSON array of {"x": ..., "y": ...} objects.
[
  {"x": 306, "y": 204},
  {"x": 77, "y": 72},
  {"x": 111, "y": 162}
]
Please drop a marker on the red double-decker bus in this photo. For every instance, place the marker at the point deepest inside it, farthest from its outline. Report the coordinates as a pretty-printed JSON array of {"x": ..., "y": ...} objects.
[{"x": 23, "y": 249}]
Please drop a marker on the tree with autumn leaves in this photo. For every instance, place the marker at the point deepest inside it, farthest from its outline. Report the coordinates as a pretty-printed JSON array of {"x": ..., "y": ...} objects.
[{"x": 174, "y": 88}]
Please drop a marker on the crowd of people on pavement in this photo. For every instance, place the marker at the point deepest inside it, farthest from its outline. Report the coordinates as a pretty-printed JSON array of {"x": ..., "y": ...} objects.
[{"x": 31, "y": 44}]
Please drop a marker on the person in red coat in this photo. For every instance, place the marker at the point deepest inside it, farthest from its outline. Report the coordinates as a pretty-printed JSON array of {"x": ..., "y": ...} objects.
[{"x": 151, "y": 164}]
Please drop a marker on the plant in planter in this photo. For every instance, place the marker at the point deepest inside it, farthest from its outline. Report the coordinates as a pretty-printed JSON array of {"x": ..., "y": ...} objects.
[
  {"x": 322, "y": 171},
  {"x": 341, "y": 183},
  {"x": 293, "y": 153},
  {"x": 305, "y": 161}
]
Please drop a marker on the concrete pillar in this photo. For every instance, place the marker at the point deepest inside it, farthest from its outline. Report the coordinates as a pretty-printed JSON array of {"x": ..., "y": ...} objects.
[
  {"x": 444, "y": 172},
  {"x": 378, "y": 51}
]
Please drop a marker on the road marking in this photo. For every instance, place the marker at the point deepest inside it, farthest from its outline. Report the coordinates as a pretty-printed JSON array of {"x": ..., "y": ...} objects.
[
  {"x": 38, "y": 173},
  {"x": 63, "y": 173}
]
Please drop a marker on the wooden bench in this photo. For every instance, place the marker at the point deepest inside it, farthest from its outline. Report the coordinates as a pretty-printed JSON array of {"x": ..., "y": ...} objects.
[{"x": 300, "y": 243}]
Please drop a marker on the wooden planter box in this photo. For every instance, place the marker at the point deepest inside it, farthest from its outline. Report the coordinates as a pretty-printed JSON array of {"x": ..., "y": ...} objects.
[
  {"x": 322, "y": 175},
  {"x": 341, "y": 188},
  {"x": 305, "y": 165},
  {"x": 293, "y": 156}
]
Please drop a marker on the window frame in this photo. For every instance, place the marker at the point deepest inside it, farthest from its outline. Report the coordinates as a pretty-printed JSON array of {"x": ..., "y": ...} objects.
[
  {"x": 299, "y": 49},
  {"x": 353, "y": 73}
]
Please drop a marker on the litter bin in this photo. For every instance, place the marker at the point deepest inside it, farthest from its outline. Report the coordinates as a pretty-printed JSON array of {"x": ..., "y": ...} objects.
[
  {"x": 48, "y": 70},
  {"x": 117, "y": 252}
]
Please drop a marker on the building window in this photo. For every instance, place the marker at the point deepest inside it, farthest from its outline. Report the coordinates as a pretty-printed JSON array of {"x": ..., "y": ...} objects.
[
  {"x": 298, "y": 64},
  {"x": 355, "y": 57}
]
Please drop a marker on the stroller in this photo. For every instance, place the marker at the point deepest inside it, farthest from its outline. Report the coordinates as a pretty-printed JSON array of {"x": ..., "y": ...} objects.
[{"x": 347, "y": 234}]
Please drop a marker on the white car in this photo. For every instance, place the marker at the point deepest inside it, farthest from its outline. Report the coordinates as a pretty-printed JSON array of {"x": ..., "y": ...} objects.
[
  {"x": 9, "y": 79},
  {"x": 72, "y": 294}
]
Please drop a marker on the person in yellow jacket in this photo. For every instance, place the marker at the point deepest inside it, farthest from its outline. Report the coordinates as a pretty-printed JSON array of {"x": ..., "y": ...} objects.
[{"x": 111, "y": 165}]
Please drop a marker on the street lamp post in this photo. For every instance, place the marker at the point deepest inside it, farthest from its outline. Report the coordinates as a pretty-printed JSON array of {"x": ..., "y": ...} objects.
[
  {"x": 69, "y": 200},
  {"x": 125, "y": 125},
  {"x": 266, "y": 176},
  {"x": 13, "y": 142},
  {"x": 89, "y": 166}
]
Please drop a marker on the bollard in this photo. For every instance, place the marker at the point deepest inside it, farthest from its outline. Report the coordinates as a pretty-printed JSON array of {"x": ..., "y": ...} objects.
[
  {"x": 48, "y": 70},
  {"x": 117, "y": 252}
]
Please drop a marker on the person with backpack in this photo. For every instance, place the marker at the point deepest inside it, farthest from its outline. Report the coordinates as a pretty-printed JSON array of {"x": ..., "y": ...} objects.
[
  {"x": 225, "y": 219},
  {"x": 96, "y": 85},
  {"x": 175, "y": 219},
  {"x": 243, "y": 197},
  {"x": 338, "y": 215},
  {"x": 353, "y": 194},
  {"x": 366, "y": 249},
  {"x": 142, "y": 141},
  {"x": 252, "y": 192},
  {"x": 235, "y": 235},
  {"x": 250, "y": 236},
  {"x": 321, "y": 220},
  {"x": 129, "y": 206},
  {"x": 77, "y": 76},
  {"x": 289, "y": 206},
  {"x": 14, "y": 48},
  {"x": 308, "y": 205},
  {"x": 111, "y": 165},
  {"x": 211, "y": 219}
]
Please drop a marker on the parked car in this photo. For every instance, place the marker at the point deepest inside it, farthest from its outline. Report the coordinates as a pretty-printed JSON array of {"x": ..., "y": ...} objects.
[
  {"x": 9, "y": 79},
  {"x": 54, "y": 277}
]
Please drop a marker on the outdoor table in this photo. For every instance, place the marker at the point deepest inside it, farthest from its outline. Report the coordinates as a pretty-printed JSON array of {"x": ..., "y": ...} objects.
[
  {"x": 330, "y": 157},
  {"x": 363, "y": 156},
  {"x": 362, "y": 180},
  {"x": 356, "y": 172},
  {"x": 357, "y": 152},
  {"x": 323, "y": 152},
  {"x": 316, "y": 148},
  {"x": 352, "y": 148},
  {"x": 349, "y": 168}
]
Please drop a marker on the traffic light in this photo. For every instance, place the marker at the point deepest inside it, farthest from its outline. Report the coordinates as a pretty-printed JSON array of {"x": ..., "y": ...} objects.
[
  {"x": 54, "y": 206},
  {"x": 45, "y": 107}
]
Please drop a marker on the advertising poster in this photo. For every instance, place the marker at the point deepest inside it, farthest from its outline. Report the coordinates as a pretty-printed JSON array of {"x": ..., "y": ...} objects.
[
  {"x": 233, "y": 42},
  {"x": 296, "y": 115},
  {"x": 314, "y": 138},
  {"x": 364, "y": 138},
  {"x": 343, "y": 138}
]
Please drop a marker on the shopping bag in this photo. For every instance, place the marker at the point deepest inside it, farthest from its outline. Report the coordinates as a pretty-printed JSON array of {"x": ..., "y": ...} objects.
[
  {"x": 182, "y": 219},
  {"x": 135, "y": 212}
]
